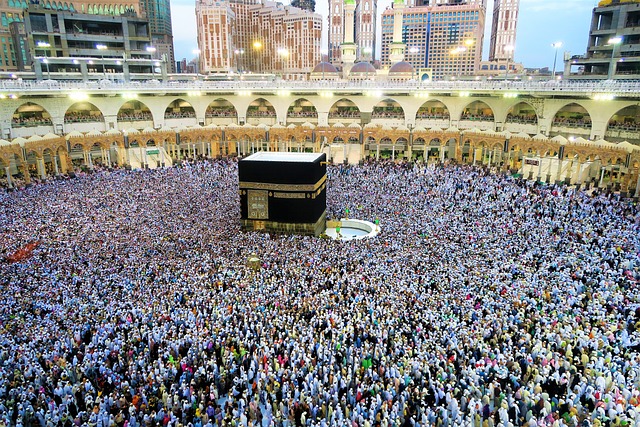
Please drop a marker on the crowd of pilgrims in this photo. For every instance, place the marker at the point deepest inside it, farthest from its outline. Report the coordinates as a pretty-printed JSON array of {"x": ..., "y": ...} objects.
[{"x": 484, "y": 301}]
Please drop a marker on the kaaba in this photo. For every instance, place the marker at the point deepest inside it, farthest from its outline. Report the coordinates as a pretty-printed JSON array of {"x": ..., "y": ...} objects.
[{"x": 283, "y": 192}]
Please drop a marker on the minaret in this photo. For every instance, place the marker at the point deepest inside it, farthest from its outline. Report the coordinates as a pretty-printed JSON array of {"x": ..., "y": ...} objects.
[
  {"x": 348, "y": 47},
  {"x": 396, "y": 50}
]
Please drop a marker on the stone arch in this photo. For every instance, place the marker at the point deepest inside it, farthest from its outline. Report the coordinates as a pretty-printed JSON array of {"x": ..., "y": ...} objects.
[
  {"x": 260, "y": 108},
  {"x": 303, "y": 110},
  {"x": 522, "y": 113},
  {"x": 572, "y": 115},
  {"x": 30, "y": 114},
  {"x": 433, "y": 109},
  {"x": 83, "y": 112},
  {"x": 134, "y": 111},
  {"x": 221, "y": 110},
  {"x": 76, "y": 153},
  {"x": 344, "y": 109},
  {"x": 48, "y": 156},
  {"x": 477, "y": 111},
  {"x": 388, "y": 108},
  {"x": 179, "y": 109},
  {"x": 625, "y": 119}
]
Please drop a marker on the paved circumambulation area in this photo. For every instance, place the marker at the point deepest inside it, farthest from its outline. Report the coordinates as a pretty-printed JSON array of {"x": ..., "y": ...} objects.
[{"x": 484, "y": 301}]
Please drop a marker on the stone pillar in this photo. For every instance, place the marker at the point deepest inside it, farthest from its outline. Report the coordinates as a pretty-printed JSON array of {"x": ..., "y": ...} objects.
[
  {"x": 601, "y": 176},
  {"x": 89, "y": 159},
  {"x": 539, "y": 178},
  {"x": 559, "y": 172},
  {"x": 579, "y": 183},
  {"x": 637, "y": 192},
  {"x": 42, "y": 174},
  {"x": 25, "y": 172},
  {"x": 54, "y": 160},
  {"x": 7, "y": 171}
]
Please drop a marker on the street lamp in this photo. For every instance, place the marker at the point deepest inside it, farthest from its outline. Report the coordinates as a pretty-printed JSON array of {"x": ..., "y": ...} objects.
[
  {"x": 44, "y": 46},
  {"x": 152, "y": 50},
  {"x": 283, "y": 53},
  {"x": 367, "y": 52},
  {"x": 102, "y": 48},
  {"x": 613, "y": 42},
  {"x": 257, "y": 47},
  {"x": 239, "y": 53},
  {"x": 508, "y": 49},
  {"x": 555, "y": 46},
  {"x": 458, "y": 52}
]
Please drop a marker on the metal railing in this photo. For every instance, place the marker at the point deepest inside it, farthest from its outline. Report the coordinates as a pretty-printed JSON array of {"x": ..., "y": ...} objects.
[{"x": 626, "y": 88}]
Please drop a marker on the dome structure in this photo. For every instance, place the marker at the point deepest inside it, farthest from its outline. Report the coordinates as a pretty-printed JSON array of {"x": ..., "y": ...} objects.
[
  {"x": 324, "y": 71},
  {"x": 362, "y": 71},
  {"x": 401, "y": 71}
]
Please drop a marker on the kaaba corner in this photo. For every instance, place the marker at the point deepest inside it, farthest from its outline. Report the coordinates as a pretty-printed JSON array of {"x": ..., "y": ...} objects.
[{"x": 283, "y": 193}]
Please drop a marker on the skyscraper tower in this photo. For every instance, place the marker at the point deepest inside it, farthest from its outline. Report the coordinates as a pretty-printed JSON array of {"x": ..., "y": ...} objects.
[
  {"x": 366, "y": 13},
  {"x": 336, "y": 30},
  {"x": 503, "y": 30},
  {"x": 309, "y": 5},
  {"x": 158, "y": 12}
]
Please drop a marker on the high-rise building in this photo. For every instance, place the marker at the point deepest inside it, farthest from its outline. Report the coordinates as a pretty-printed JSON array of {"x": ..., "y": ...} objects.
[
  {"x": 415, "y": 35},
  {"x": 455, "y": 39},
  {"x": 337, "y": 25},
  {"x": 216, "y": 26},
  {"x": 365, "y": 30},
  {"x": 11, "y": 12},
  {"x": 15, "y": 57},
  {"x": 613, "y": 50},
  {"x": 158, "y": 13},
  {"x": 503, "y": 30},
  {"x": 258, "y": 37},
  {"x": 308, "y": 5},
  {"x": 444, "y": 37}
]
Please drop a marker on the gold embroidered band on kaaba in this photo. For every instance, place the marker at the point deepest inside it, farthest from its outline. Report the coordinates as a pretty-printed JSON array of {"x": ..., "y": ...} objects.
[{"x": 283, "y": 187}]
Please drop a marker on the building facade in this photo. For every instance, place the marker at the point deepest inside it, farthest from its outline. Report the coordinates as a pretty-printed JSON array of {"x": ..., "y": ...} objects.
[
  {"x": 16, "y": 55},
  {"x": 613, "y": 49},
  {"x": 47, "y": 130},
  {"x": 308, "y": 5},
  {"x": 216, "y": 25},
  {"x": 258, "y": 37},
  {"x": 336, "y": 25},
  {"x": 365, "y": 29},
  {"x": 445, "y": 38},
  {"x": 64, "y": 41},
  {"x": 415, "y": 35},
  {"x": 503, "y": 30},
  {"x": 158, "y": 13}
]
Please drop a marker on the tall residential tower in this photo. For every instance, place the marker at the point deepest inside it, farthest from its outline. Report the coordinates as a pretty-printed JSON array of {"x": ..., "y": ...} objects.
[{"x": 503, "y": 30}]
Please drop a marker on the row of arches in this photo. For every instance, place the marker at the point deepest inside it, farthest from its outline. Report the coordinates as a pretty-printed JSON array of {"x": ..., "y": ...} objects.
[
  {"x": 53, "y": 155},
  {"x": 571, "y": 116}
]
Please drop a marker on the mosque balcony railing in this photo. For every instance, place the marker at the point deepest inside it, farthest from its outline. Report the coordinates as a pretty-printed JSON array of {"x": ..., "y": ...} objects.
[{"x": 625, "y": 88}]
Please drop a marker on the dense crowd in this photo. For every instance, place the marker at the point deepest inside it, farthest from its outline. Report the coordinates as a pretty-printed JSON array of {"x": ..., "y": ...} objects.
[
  {"x": 485, "y": 301},
  {"x": 134, "y": 116},
  {"x": 19, "y": 120},
  {"x": 579, "y": 122},
  {"x": 83, "y": 116}
]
